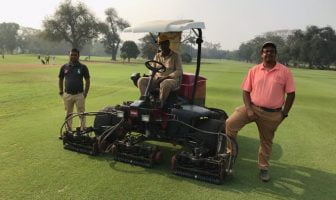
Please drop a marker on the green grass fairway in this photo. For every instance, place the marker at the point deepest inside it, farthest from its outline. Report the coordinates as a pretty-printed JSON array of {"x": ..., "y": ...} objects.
[{"x": 33, "y": 164}]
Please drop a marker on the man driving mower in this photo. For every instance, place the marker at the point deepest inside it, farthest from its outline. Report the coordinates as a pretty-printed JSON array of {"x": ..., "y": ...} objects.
[{"x": 170, "y": 79}]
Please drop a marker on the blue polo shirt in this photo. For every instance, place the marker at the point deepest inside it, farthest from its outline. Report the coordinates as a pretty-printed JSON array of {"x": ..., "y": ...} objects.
[{"x": 73, "y": 73}]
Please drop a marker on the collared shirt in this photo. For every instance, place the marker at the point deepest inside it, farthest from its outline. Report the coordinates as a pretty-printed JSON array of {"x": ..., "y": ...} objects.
[
  {"x": 268, "y": 87},
  {"x": 173, "y": 63},
  {"x": 73, "y": 75}
]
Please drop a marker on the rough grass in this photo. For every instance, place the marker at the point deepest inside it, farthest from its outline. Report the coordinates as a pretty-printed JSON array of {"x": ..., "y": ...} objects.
[{"x": 33, "y": 164}]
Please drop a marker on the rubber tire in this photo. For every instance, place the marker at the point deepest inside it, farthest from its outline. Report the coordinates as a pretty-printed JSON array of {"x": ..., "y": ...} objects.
[
  {"x": 173, "y": 162},
  {"x": 158, "y": 157},
  {"x": 104, "y": 120}
]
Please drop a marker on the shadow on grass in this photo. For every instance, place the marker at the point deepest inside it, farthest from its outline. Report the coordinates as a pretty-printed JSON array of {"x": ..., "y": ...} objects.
[{"x": 288, "y": 181}]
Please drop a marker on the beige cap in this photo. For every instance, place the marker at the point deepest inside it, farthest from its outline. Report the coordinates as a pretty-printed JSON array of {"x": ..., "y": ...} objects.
[{"x": 162, "y": 38}]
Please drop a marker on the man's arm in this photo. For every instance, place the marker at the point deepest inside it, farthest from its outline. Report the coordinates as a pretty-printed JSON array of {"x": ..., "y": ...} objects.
[
  {"x": 87, "y": 81},
  {"x": 178, "y": 68},
  {"x": 248, "y": 105},
  {"x": 60, "y": 86},
  {"x": 177, "y": 73},
  {"x": 87, "y": 86},
  {"x": 247, "y": 99},
  {"x": 288, "y": 103}
]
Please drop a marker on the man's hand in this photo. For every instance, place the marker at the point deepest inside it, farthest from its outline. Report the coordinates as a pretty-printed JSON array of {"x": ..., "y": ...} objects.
[
  {"x": 160, "y": 79},
  {"x": 60, "y": 93},
  {"x": 284, "y": 115},
  {"x": 247, "y": 101},
  {"x": 250, "y": 114}
]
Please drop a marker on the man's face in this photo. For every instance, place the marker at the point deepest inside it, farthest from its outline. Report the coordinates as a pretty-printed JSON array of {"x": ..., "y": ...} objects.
[
  {"x": 268, "y": 54},
  {"x": 164, "y": 46},
  {"x": 74, "y": 56}
]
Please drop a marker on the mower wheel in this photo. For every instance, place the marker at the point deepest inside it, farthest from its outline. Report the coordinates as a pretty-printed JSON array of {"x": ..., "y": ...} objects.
[
  {"x": 222, "y": 171},
  {"x": 158, "y": 157},
  {"x": 113, "y": 149},
  {"x": 173, "y": 162}
]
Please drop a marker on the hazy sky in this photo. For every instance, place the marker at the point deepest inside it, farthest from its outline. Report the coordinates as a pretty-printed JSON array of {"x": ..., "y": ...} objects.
[{"x": 228, "y": 22}]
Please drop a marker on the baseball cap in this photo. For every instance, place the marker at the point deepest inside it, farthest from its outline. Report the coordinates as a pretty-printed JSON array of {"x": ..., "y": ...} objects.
[{"x": 268, "y": 44}]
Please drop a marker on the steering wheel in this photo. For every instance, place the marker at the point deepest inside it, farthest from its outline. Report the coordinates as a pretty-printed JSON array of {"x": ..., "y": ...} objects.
[{"x": 159, "y": 66}]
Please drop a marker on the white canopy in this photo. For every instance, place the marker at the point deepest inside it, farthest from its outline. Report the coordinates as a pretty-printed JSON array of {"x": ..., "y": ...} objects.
[{"x": 165, "y": 26}]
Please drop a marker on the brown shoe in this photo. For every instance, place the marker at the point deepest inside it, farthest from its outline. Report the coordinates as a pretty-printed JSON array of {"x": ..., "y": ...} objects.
[{"x": 264, "y": 176}]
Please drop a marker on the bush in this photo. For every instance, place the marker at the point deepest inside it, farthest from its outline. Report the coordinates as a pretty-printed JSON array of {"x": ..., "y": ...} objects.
[{"x": 186, "y": 58}]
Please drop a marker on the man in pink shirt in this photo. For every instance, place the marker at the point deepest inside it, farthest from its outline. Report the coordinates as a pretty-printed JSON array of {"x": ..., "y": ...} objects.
[{"x": 264, "y": 90}]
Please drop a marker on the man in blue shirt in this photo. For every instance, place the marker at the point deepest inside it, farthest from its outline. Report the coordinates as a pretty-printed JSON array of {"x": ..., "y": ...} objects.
[{"x": 71, "y": 76}]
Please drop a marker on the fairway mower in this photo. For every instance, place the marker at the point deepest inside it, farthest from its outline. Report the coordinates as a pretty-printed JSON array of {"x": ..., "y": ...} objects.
[{"x": 122, "y": 130}]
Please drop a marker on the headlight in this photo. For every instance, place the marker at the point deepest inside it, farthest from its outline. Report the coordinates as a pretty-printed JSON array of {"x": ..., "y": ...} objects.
[
  {"x": 120, "y": 114},
  {"x": 145, "y": 118},
  {"x": 134, "y": 113}
]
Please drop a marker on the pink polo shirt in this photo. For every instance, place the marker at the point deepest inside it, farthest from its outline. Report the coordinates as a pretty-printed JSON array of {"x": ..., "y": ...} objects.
[{"x": 268, "y": 87}]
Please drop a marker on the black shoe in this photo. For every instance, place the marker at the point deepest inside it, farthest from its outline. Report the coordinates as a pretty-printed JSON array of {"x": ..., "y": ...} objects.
[{"x": 264, "y": 176}]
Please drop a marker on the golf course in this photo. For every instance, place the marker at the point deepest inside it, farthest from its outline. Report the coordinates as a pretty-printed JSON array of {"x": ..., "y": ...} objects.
[{"x": 34, "y": 165}]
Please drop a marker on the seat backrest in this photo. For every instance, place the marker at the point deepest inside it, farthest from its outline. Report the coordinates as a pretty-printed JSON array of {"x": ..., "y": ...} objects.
[{"x": 186, "y": 87}]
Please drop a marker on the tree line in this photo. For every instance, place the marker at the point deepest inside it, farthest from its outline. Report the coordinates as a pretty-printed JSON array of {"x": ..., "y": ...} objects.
[
  {"x": 73, "y": 25},
  {"x": 312, "y": 48}
]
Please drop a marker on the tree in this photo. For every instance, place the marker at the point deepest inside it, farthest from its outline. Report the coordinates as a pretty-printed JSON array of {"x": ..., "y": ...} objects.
[
  {"x": 232, "y": 55},
  {"x": 148, "y": 46},
  {"x": 8, "y": 36},
  {"x": 295, "y": 43},
  {"x": 26, "y": 37},
  {"x": 109, "y": 29},
  {"x": 123, "y": 56},
  {"x": 186, "y": 58},
  {"x": 130, "y": 49},
  {"x": 250, "y": 51},
  {"x": 74, "y": 24},
  {"x": 212, "y": 50},
  {"x": 187, "y": 43},
  {"x": 322, "y": 46},
  {"x": 30, "y": 41},
  {"x": 187, "y": 48},
  {"x": 315, "y": 47},
  {"x": 245, "y": 52}
]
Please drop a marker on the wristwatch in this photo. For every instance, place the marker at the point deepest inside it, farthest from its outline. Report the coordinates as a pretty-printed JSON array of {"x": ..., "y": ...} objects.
[{"x": 284, "y": 115}]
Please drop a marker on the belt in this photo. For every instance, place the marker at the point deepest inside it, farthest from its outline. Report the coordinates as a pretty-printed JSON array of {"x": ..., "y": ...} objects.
[
  {"x": 269, "y": 109},
  {"x": 73, "y": 93}
]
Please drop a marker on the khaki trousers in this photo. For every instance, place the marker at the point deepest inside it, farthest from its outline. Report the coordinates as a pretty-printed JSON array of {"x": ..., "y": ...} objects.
[
  {"x": 69, "y": 101},
  {"x": 267, "y": 123},
  {"x": 165, "y": 86}
]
